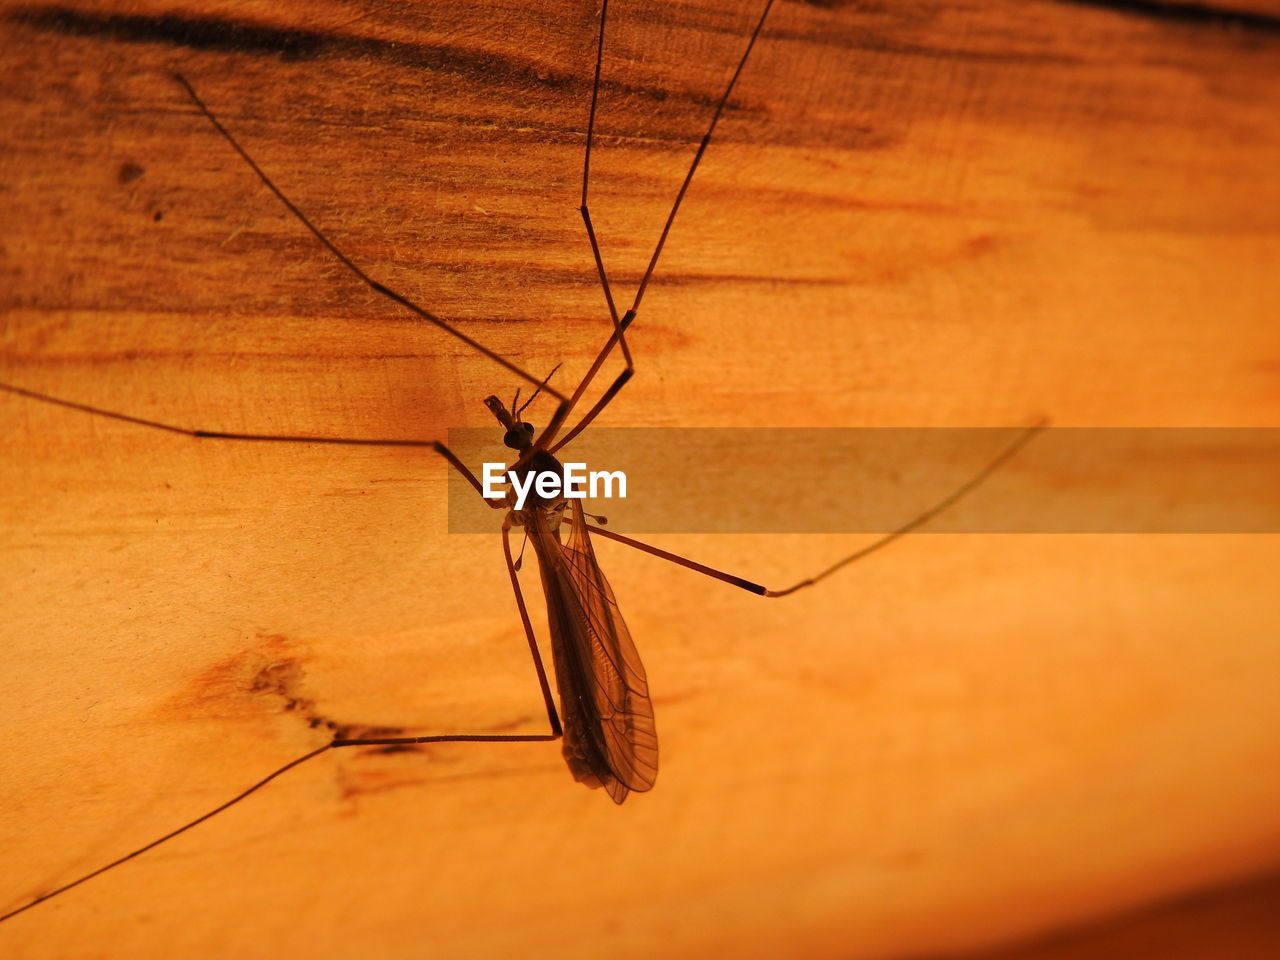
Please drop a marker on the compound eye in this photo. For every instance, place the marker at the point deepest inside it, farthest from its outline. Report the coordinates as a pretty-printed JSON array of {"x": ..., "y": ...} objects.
[
  {"x": 513, "y": 438},
  {"x": 528, "y": 428}
]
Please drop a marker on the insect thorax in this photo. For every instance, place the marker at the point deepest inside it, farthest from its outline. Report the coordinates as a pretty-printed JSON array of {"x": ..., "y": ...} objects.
[{"x": 552, "y": 508}]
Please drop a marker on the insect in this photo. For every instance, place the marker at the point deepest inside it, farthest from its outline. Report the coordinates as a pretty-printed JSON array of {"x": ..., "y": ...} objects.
[{"x": 548, "y": 550}]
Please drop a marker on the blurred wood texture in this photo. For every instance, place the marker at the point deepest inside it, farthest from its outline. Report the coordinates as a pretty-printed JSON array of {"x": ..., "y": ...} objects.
[
  {"x": 1241, "y": 922},
  {"x": 914, "y": 214}
]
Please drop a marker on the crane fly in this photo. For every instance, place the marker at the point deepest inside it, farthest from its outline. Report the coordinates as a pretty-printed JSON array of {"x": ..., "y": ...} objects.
[
  {"x": 605, "y": 720},
  {"x": 607, "y": 727}
]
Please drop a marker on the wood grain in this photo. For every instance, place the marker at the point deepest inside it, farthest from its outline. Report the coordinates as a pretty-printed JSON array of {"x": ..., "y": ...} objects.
[
  {"x": 916, "y": 214},
  {"x": 1239, "y": 922}
]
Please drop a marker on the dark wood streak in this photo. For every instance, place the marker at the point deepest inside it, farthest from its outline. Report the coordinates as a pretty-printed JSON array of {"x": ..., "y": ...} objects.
[
  {"x": 240, "y": 36},
  {"x": 1192, "y": 14},
  {"x": 292, "y": 45}
]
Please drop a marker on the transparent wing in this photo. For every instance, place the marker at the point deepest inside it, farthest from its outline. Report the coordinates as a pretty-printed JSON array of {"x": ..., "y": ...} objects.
[{"x": 609, "y": 734}]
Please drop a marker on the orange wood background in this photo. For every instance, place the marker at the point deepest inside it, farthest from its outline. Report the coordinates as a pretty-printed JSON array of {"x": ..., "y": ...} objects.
[{"x": 915, "y": 214}]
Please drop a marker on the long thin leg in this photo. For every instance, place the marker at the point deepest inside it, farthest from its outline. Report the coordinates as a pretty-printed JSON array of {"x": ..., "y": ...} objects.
[
  {"x": 452, "y": 738},
  {"x": 168, "y": 836},
  {"x": 586, "y": 179},
  {"x": 697, "y": 158},
  {"x": 562, "y": 410},
  {"x": 914, "y": 524},
  {"x": 552, "y": 717},
  {"x": 435, "y": 445},
  {"x": 620, "y": 325},
  {"x": 605, "y": 397}
]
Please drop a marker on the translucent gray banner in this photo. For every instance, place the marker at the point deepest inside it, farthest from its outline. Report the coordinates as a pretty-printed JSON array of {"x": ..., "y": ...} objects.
[{"x": 875, "y": 480}]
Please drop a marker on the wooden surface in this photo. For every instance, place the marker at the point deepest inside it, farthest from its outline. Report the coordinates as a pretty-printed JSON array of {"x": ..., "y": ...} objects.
[
  {"x": 1240, "y": 922},
  {"x": 918, "y": 214}
]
